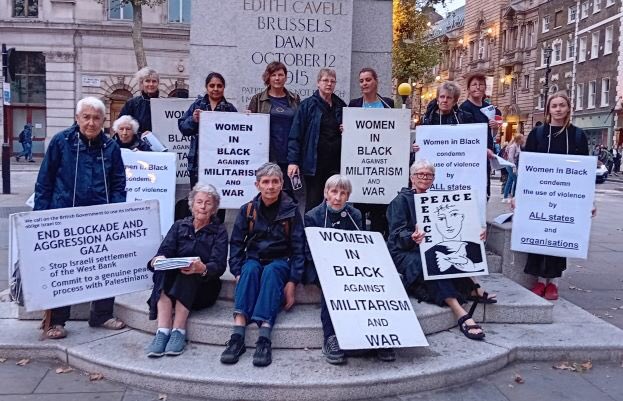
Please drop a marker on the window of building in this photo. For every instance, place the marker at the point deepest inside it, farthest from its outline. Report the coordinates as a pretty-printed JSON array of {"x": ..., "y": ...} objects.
[
  {"x": 584, "y": 10},
  {"x": 557, "y": 52},
  {"x": 570, "y": 49},
  {"x": 596, "y": 6},
  {"x": 471, "y": 50},
  {"x": 592, "y": 91},
  {"x": 545, "y": 24},
  {"x": 526, "y": 81},
  {"x": 530, "y": 38},
  {"x": 609, "y": 3},
  {"x": 579, "y": 97},
  {"x": 26, "y": 8},
  {"x": 582, "y": 50},
  {"x": 594, "y": 45},
  {"x": 179, "y": 11},
  {"x": 118, "y": 11},
  {"x": 557, "y": 19},
  {"x": 608, "y": 40},
  {"x": 29, "y": 83},
  {"x": 481, "y": 49},
  {"x": 572, "y": 14},
  {"x": 540, "y": 101},
  {"x": 605, "y": 92}
]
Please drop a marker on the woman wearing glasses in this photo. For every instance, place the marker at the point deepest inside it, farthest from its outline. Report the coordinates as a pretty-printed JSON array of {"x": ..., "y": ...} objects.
[
  {"x": 315, "y": 141},
  {"x": 403, "y": 244}
]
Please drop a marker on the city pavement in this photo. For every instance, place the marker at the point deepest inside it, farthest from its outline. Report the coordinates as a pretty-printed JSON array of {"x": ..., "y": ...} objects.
[{"x": 594, "y": 284}]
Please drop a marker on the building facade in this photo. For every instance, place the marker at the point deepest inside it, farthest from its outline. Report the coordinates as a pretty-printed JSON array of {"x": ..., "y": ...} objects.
[
  {"x": 596, "y": 68},
  {"x": 68, "y": 49}
]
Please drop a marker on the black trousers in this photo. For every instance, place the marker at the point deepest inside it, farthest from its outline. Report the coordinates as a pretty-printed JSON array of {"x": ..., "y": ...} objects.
[
  {"x": 101, "y": 311},
  {"x": 545, "y": 266},
  {"x": 314, "y": 185},
  {"x": 376, "y": 213}
]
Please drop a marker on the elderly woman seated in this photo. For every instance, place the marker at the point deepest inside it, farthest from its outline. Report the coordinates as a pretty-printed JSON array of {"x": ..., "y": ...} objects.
[
  {"x": 177, "y": 292},
  {"x": 126, "y": 134},
  {"x": 403, "y": 244}
]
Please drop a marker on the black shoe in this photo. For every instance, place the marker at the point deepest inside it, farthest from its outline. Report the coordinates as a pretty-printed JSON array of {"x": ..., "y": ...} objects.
[
  {"x": 332, "y": 351},
  {"x": 263, "y": 352},
  {"x": 386, "y": 354},
  {"x": 31, "y": 161},
  {"x": 235, "y": 348},
  {"x": 16, "y": 158}
]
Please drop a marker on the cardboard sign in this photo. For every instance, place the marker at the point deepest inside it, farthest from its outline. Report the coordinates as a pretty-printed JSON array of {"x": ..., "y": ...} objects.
[
  {"x": 231, "y": 147},
  {"x": 151, "y": 175},
  {"x": 452, "y": 247},
  {"x": 73, "y": 255},
  {"x": 375, "y": 153},
  {"x": 368, "y": 304},
  {"x": 459, "y": 153},
  {"x": 164, "y": 116},
  {"x": 553, "y": 203}
]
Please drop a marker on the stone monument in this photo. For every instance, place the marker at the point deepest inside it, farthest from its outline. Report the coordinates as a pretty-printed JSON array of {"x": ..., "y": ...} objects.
[{"x": 238, "y": 38}]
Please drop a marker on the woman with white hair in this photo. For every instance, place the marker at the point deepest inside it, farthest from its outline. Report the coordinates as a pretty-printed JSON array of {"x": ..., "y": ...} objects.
[
  {"x": 125, "y": 129},
  {"x": 177, "y": 292},
  {"x": 139, "y": 107},
  {"x": 81, "y": 167},
  {"x": 404, "y": 246}
]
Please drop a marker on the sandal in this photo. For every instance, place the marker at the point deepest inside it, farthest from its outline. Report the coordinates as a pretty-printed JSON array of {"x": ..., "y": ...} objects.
[
  {"x": 465, "y": 328},
  {"x": 113, "y": 324},
  {"x": 55, "y": 332},
  {"x": 484, "y": 298}
]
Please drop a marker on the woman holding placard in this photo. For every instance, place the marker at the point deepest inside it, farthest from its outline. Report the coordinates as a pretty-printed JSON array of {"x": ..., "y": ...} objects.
[
  {"x": 178, "y": 291},
  {"x": 403, "y": 244},
  {"x": 281, "y": 104},
  {"x": 557, "y": 136},
  {"x": 213, "y": 100}
]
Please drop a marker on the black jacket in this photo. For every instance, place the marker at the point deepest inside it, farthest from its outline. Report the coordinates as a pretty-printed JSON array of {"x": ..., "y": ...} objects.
[
  {"x": 136, "y": 144},
  {"x": 139, "y": 107},
  {"x": 456, "y": 116}
]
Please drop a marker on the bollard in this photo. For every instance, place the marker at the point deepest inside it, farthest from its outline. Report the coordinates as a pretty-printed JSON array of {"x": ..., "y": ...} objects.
[{"x": 6, "y": 168}]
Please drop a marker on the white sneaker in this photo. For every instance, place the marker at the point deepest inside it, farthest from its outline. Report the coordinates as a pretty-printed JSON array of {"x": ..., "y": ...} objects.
[{"x": 505, "y": 200}]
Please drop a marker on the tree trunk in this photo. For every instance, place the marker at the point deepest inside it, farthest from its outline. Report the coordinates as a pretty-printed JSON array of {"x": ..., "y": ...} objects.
[{"x": 137, "y": 34}]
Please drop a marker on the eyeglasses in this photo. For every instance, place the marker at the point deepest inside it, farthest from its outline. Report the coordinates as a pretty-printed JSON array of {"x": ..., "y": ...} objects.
[
  {"x": 424, "y": 176},
  {"x": 328, "y": 81}
]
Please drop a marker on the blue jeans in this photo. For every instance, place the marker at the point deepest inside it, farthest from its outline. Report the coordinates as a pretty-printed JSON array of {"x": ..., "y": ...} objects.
[
  {"x": 259, "y": 292},
  {"x": 26, "y": 151},
  {"x": 510, "y": 182}
]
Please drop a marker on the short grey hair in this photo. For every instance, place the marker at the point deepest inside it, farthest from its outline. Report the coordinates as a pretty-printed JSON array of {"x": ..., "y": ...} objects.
[
  {"x": 326, "y": 71},
  {"x": 268, "y": 169},
  {"x": 144, "y": 73},
  {"x": 452, "y": 88},
  {"x": 206, "y": 189},
  {"x": 125, "y": 120},
  {"x": 421, "y": 163},
  {"x": 339, "y": 181},
  {"x": 92, "y": 102}
]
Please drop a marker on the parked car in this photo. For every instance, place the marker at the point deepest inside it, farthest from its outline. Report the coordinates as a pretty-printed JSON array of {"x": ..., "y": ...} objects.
[{"x": 601, "y": 174}]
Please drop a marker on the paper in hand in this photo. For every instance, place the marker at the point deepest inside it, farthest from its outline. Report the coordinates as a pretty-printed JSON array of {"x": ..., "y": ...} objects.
[
  {"x": 174, "y": 263},
  {"x": 488, "y": 111}
]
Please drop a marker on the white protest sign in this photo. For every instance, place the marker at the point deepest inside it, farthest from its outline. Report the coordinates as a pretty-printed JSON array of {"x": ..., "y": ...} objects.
[
  {"x": 375, "y": 152},
  {"x": 368, "y": 304},
  {"x": 164, "y": 116},
  {"x": 452, "y": 247},
  {"x": 231, "y": 147},
  {"x": 459, "y": 153},
  {"x": 553, "y": 203},
  {"x": 151, "y": 175},
  {"x": 73, "y": 255}
]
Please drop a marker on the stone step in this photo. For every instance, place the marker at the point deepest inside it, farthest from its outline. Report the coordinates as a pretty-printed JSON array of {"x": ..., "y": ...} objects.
[
  {"x": 301, "y": 327},
  {"x": 451, "y": 359}
]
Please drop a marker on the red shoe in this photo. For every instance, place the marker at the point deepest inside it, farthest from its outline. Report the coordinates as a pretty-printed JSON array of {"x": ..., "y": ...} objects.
[
  {"x": 551, "y": 292},
  {"x": 539, "y": 289}
]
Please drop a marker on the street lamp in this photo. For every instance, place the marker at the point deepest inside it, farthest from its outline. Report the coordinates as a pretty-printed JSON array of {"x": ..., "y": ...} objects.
[
  {"x": 548, "y": 59},
  {"x": 404, "y": 90}
]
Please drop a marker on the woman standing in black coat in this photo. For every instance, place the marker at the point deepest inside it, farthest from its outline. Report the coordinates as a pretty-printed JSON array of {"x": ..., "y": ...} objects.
[
  {"x": 139, "y": 107},
  {"x": 177, "y": 292}
]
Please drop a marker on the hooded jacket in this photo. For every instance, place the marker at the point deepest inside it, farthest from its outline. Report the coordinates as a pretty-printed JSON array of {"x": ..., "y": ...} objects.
[
  {"x": 80, "y": 172},
  {"x": 188, "y": 127},
  {"x": 269, "y": 240},
  {"x": 305, "y": 131},
  {"x": 139, "y": 107},
  {"x": 404, "y": 251}
]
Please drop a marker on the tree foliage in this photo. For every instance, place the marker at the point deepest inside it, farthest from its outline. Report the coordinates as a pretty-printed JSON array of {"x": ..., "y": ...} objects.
[
  {"x": 413, "y": 54},
  {"x": 137, "y": 25}
]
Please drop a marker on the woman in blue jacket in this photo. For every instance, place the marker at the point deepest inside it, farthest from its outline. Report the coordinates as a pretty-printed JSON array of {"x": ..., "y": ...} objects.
[{"x": 81, "y": 167}]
